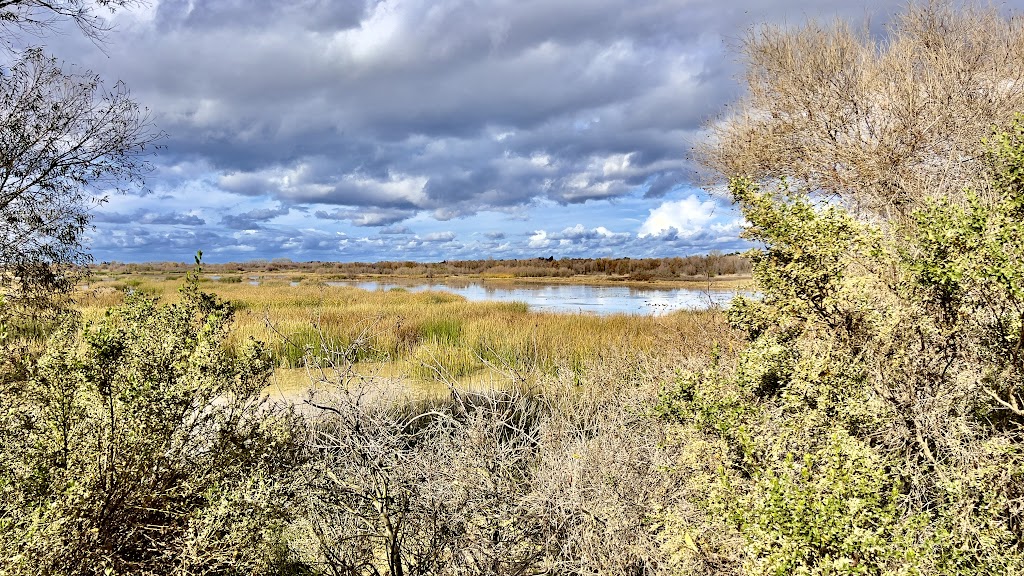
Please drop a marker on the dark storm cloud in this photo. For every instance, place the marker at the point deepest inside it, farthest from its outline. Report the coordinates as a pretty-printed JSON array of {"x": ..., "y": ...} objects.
[
  {"x": 373, "y": 112},
  {"x": 349, "y": 95},
  {"x": 660, "y": 184},
  {"x": 247, "y": 14},
  {"x": 252, "y": 219},
  {"x": 146, "y": 217}
]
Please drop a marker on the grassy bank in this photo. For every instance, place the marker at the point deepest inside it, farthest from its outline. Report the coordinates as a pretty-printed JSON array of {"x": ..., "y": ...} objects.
[{"x": 717, "y": 282}]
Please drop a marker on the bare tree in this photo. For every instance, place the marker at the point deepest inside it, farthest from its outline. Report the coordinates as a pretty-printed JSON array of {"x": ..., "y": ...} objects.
[
  {"x": 66, "y": 142},
  {"x": 878, "y": 122},
  {"x": 404, "y": 487}
]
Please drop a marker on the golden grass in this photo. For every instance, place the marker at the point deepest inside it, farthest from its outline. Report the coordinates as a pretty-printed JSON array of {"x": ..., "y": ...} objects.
[{"x": 422, "y": 337}]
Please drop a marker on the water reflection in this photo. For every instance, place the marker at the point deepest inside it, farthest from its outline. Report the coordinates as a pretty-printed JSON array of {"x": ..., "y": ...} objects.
[{"x": 571, "y": 297}]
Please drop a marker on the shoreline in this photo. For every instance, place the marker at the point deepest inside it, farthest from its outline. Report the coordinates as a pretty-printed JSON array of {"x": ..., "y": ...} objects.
[{"x": 722, "y": 282}]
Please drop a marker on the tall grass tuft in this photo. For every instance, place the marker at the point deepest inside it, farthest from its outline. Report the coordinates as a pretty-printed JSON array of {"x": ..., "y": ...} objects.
[{"x": 442, "y": 331}]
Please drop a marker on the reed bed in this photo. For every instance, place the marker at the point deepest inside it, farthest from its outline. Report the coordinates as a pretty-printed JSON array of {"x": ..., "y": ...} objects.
[{"x": 424, "y": 336}]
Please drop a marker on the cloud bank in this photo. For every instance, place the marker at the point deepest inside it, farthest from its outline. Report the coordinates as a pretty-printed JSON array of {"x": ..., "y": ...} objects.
[{"x": 348, "y": 130}]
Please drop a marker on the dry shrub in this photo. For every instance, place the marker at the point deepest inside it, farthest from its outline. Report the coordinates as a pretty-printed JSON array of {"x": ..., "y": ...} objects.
[
  {"x": 880, "y": 122},
  {"x": 427, "y": 487},
  {"x": 604, "y": 476},
  {"x": 543, "y": 475}
]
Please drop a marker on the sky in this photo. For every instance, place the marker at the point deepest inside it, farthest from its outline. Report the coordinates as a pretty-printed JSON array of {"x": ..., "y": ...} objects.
[{"x": 428, "y": 130}]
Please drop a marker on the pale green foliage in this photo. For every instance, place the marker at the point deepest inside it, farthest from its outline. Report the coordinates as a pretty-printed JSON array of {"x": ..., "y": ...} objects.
[
  {"x": 140, "y": 445},
  {"x": 833, "y": 513},
  {"x": 874, "y": 423}
]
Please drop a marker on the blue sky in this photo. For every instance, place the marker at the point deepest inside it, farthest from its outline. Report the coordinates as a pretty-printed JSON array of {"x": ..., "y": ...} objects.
[{"x": 428, "y": 129}]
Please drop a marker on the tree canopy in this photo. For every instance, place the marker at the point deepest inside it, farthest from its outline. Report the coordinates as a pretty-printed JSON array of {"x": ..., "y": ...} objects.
[
  {"x": 881, "y": 122},
  {"x": 66, "y": 142}
]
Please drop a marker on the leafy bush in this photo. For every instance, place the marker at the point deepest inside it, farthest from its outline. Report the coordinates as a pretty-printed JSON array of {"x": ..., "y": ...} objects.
[
  {"x": 139, "y": 445},
  {"x": 873, "y": 424}
]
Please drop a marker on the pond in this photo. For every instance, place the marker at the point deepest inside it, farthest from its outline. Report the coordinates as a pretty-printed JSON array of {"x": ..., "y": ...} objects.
[{"x": 571, "y": 297}]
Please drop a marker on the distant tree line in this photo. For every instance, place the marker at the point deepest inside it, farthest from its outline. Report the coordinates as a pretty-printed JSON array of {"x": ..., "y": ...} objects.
[{"x": 714, "y": 264}]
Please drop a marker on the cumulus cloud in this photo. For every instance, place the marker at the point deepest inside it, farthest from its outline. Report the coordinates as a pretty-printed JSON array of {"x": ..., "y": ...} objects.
[
  {"x": 539, "y": 239},
  {"x": 686, "y": 217},
  {"x": 253, "y": 218},
  {"x": 580, "y": 235},
  {"x": 366, "y": 216},
  {"x": 578, "y": 241},
  {"x": 446, "y": 236},
  {"x": 395, "y": 231}
]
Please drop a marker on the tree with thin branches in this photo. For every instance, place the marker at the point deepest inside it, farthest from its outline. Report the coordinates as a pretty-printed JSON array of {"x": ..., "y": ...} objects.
[{"x": 66, "y": 142}]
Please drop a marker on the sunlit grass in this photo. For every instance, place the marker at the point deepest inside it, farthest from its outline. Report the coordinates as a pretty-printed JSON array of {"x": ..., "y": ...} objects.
[{"x": 423, "y": 337}]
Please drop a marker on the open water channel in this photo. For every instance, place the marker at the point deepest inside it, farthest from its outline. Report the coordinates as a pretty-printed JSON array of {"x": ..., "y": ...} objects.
[{"x": 572, "y": 297}]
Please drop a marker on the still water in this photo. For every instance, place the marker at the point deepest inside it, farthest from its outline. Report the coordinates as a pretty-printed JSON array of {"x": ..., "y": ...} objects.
[{"x": 573, "y": 297}]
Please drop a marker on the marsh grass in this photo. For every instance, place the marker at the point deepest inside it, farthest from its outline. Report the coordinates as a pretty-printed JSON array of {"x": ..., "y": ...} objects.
[{"x": 423, "y": 336}]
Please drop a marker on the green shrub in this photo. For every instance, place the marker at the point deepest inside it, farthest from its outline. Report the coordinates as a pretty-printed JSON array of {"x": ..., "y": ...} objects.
[
  {"x": 139, "y": 445},
  {"x": 873, "y": 424},
  {"x": 834, "y": 512}
]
